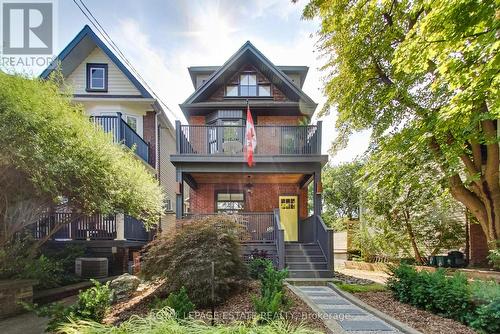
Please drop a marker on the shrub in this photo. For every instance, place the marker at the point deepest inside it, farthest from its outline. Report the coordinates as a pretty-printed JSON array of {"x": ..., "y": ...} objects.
[
  {"x": 92, "y": 304},
  {"x": 179, "y": 302},
  {"x": 271, "y": 302},
  {"x": 448, "y": 296},
  {"x": 486, "y": 317},
  {"x": 494, "y": 258},
  {"x": 185, "y": 258},
  {"x": 164, "y": 321},
  {"x": 257, "y": 267}
]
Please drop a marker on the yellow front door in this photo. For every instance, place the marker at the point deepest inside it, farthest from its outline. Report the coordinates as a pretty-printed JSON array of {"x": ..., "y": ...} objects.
[{"x": 289, "y": 217}]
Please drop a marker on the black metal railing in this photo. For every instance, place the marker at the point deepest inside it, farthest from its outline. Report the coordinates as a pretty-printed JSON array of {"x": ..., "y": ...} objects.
[
  {"x": 229, "y": 140},
  {"x": 260, "y": 226},
  {"x": 123, "y": 133},
  {"x": 135, "y": 230}
]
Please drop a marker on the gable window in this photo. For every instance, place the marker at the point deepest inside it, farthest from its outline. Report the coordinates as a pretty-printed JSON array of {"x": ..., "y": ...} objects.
[
  {"x": 230, "y": 202},
  {"x": 248, "y": 84},
  {"x": 97, "y": 77}
]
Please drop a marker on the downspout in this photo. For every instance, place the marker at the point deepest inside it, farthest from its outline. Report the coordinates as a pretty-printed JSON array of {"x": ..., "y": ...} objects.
[{"x": 157, "y": 158}]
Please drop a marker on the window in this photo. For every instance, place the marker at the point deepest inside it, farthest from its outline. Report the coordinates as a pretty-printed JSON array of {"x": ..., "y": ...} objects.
[
  {"x": 97, "y": 77},
  {"x": 232, "y": 90},
  {"x": 167, "y": 205},
  {"x": 231, "y": 130},
  {"x": 264, "y": 90},
  {"x": 248, "y": 85},
  {"x": 132, "y": 122},
  {"x": 230, "y": 202}
]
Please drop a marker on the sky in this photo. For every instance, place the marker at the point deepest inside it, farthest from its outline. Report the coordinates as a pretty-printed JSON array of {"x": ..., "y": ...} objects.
[{"x": 163, "y": 38}]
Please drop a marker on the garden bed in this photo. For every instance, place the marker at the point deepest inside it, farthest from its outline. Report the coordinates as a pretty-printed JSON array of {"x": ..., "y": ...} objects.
[
  {"x": 238, "y": 307},
  {"x": 421, "y": 320}
]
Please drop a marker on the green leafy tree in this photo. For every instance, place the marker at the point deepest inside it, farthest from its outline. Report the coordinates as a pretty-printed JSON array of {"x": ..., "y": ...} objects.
[
  {"x": 407, "y": 207},
  {"x": 341, "y": 191},
  {"x": 53, "y": 156},
  {"x": 427, "y": 71}
]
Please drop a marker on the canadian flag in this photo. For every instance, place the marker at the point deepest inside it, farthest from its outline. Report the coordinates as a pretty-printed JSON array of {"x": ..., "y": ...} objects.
[{"x": 250, "y": 139}]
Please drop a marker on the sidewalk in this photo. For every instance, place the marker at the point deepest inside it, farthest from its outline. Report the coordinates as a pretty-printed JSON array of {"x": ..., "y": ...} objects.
[
  {"x": 341, "y": 315},
  {"x": 376, "y": 276}
]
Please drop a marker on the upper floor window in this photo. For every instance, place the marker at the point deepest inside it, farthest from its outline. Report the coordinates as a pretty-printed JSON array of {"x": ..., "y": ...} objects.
[
  {"x": 132, "y": 122},
  {"x": 248, "y": 86},
  {"x": 97, "y": 77}
]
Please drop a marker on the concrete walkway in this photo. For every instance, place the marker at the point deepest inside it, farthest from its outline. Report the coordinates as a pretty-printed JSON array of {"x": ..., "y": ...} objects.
[{"x": 340, "y": 315}]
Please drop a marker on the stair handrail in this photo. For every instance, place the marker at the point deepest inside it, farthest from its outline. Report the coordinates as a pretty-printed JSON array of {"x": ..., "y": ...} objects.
[
  {"x": 325, "y": 243},
  {"x": 280, "y": 239}
]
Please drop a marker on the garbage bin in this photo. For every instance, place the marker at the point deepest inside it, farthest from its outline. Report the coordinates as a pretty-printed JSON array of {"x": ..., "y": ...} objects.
[
  {"x": 442, "y": 261},
  {"x": 432, "y": 261},
  {"x": 456, "y": 259}
]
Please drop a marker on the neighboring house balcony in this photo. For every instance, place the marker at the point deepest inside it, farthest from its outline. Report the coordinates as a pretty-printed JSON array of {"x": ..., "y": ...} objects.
[
  {"x": 123, "y": 133},
  {"x": 226, "y": 143},
  {"x": 98, "y": 227}
]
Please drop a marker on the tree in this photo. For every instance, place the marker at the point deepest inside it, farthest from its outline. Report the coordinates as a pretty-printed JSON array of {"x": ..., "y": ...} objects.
[
  {"x": 53, "y": 156},
  {"x": 427, "y": 71},
  {"x": 341, "y": 191},
  {"x": 407, "y": 206}
]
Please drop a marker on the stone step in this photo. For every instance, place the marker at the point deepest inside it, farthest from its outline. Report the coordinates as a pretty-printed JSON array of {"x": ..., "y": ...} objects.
[
  {"x": 304, "y": 258},
  {"x": 308, "y": 252},
  {"x": 307, "y": 265},
  {"x": 310, "y": 273}
]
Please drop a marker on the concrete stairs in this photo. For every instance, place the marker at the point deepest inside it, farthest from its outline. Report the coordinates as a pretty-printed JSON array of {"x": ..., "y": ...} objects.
[{"x": 306, "y": 260}]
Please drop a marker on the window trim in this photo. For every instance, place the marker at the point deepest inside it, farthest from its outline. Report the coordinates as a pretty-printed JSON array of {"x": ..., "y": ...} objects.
[
  {"x": 257, "y": 85},
  {"x": 231, "y": 192},
  {"x": 88, "y": 74},
  {"x": 136, "y": 122}
]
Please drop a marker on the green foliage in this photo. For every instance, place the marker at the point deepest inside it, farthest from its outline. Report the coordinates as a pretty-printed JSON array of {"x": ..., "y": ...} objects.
[
  {"x": 179, "y": 302},
  {"x": 258, "y": 266},
  {"x": 476, "y": 304},
  {"x": 271, "y": 302},
  {"x": 185, "y": 258},
  {"x": 359, "y": 288},
  {"x": 92, "y": 304},
  {"x": 50, "y": 151},
  {"x": 447, "y": 296},
  {"x": 422, "y": 76},
  {"x": 341, "y": 190},
  {"x": 494, "y": 257},
  {"x": 164, "y": 321}
]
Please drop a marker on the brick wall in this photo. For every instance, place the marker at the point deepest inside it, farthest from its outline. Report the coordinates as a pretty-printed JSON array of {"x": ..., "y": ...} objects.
[
  {"x": 261, "y": 198},
  {"x": 478, "y": 245},
  {"x": 149, "y": 134},
  {"x": 278, "y": 120}
]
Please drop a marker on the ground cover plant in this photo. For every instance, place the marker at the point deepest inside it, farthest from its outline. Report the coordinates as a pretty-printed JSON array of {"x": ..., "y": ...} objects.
[
  {"x": 476, "y": 304},
  {"x": 357, "y": 288},
  {"x": 92, "y": 304},
  {"x": 179, "y": 302},
  {"x": 185, "y": 257},
  {"x": 164, "y": 321}
]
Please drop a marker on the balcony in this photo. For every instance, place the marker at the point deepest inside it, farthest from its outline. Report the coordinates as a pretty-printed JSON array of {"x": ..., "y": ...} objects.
[
  {"x": 66, "y": 226},
  {"x": 222, "y": 140},
  {"x": 123, "y": 133}
]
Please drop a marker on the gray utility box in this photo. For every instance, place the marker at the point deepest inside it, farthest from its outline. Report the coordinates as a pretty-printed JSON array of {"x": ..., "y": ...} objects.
[{"x": 91, "y": 267}]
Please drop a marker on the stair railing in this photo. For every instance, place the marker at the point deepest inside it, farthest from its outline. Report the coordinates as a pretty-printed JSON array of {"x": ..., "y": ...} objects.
[
  {"x": 280, "y": 239},
  {"x": 324, "y": 236}
]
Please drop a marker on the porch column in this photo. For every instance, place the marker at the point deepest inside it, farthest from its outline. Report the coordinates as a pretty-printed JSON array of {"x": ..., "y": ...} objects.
[
  {"x": 179, "y": 197},
  {"x": 317, "y": 193},
  {"x": 120, "y": 226}
]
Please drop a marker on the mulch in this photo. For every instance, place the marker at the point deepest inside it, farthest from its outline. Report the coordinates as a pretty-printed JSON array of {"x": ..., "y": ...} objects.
[
  {"x": 238, "y": 307},
  {"x": 421, "y": 320}
]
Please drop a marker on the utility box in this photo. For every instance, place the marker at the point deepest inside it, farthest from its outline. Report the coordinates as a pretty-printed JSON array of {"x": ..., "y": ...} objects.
[{"x": 91, "y": 267}]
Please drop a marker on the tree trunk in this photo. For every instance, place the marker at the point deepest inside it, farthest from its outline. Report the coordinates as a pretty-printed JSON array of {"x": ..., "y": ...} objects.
[{"x": 411, "y": 235}]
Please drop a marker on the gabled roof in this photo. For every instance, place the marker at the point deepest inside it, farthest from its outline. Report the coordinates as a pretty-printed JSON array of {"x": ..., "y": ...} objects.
[
  {"x": 248, "y": 53},
  {"x": 300, "y": 70},
  {"x": 79, "y": 48}
]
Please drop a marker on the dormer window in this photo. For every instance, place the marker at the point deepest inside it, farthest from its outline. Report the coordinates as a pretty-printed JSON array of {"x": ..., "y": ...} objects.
[
  {"x": 97, "y": 77},
  {"x": 248, "y": 87}
]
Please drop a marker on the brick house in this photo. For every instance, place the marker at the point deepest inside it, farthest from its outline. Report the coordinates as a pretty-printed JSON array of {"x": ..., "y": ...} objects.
[
  {"x": 271, "y": 197},
  {"x": 115, "y": 100}
]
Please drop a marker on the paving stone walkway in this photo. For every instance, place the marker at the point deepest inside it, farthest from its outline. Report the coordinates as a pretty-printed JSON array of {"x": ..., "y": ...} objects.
[{"x": 350, "y": 318}]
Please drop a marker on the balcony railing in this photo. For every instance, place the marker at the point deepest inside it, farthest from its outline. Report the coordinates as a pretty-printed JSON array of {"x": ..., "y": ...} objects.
[
  {"x": 229, "y": 140},
  {"x": 259, "y": 225},
  {"x": 70, "y": 226},
  {"x": 123, "y": 133}
]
